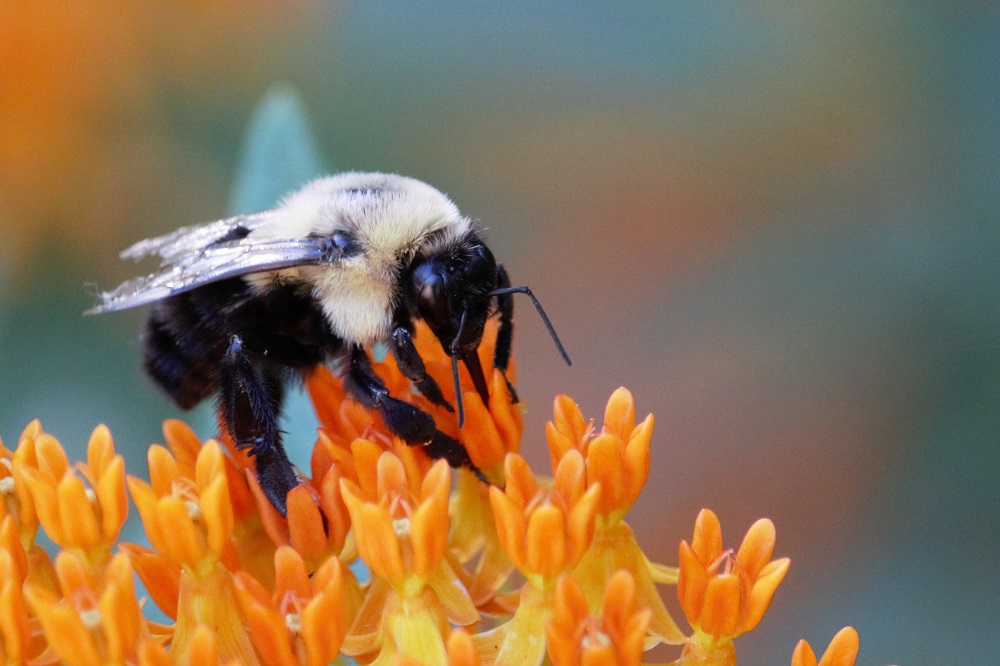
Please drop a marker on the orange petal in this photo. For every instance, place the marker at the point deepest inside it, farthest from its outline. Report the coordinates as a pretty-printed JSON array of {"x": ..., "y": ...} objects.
[
  {"x": 79, "y": 524},
  {"x": 266, "y": 626},
  {"x": 605, "y": 466},
  {"x": 580, "y": 525},
  {"x": 305, "y": 524},
  {"x": 619, "y": 415},
  {"x": 323, "y": 623},
  {"x": 803, "y": 655},
  {"x": 521, "y": 484},
  {"x": 159, "y": 574},
  {"x": 506, "y": 415},
  {"x": 100, "y": 450},
  {"x": 366, "y": 455},
  {"x": 480, "y": 435},
  {"x": 637, "y": 458},
  {"x": 757, "y": 548},
  {"x": 183, "y": 544},
  {"x": 183, "y": 443},
  {"x": 216, "y": 512},
  {"x": 707, "y": 540},
  {"x": 44, "y": 499},
  {"x": 375, "y": 534},
  {"x": 429, "y": 535},
  {"x": 546, "y": 541},
  {"x": 721, "y": 613},
  {"x": 461, "y": 650},
  {"x": 121, "y": 619},
  {"x": 759, "y": 598},
  {"x": 290, "y": 575},
  {"x": 511, "y": 526},
  {"x": 691, "y": 583},
  {"x": 110, "y": 490},
  {"x": 570, "y": 480},
  {"x": 163, "y": 471},
  {"x": 843, "y": 649},
  {"x": 210, "y": 465},
  {"x": 52, "y": 461}
]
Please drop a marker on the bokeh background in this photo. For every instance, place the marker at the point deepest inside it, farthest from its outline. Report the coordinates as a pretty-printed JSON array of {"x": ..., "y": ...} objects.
[{"x": 775, "y": 222}]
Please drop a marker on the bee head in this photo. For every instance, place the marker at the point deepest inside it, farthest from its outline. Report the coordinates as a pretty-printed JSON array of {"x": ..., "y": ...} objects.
[{"x": 450, "y": 290}]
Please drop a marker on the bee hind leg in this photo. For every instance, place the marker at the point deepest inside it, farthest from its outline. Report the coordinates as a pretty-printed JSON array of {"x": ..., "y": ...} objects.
[
  {"x": 411, "y": 424},
  {"x": 250, "y": 397}
]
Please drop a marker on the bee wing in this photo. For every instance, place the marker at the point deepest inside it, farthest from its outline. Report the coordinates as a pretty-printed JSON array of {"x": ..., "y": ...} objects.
[
  {"x": 193, "y": 238},
  {"x": 217, "y": 262}
]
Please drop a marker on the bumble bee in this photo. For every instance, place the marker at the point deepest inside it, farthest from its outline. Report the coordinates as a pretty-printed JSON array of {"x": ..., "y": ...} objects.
[{"x": 243, "y": 305}]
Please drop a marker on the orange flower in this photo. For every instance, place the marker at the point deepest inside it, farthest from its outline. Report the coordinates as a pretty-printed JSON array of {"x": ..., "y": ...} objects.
[
  {"x": 843, "y": 651},
  {"x": 97, "y": 620},
  {"x": 401, "y": 528},
  {"x": 73, "y": 515},
  {"x": 303, "y": 621},
  {"x": 724, "y": 596},
  {"x": 617, "y": 458},
  {"x": 545, "y": 530},
  {"x": 190, "y": 522},
  {"x": 615, "y": 637}
]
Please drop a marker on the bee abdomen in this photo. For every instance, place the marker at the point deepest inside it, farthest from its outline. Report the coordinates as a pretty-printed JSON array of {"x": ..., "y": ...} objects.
[{"x": 181, "y": 363}]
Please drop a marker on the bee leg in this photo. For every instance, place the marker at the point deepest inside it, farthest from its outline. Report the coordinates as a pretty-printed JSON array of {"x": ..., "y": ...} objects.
[
  {"x": 412, "y": 425},
  {"x": 412, "y": 367},
  {"x": 249, "y": 401},
  {"x": 505, "y": 334}
]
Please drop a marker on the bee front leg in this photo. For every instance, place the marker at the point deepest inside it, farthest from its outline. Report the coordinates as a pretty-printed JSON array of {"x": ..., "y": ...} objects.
[
  {"x": 249, "y": 401},
  {"x": 412, "y": 367},
  {"x": 411, "y": 424}
]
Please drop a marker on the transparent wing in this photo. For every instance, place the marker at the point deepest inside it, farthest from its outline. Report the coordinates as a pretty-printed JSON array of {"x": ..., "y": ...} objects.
[
  {"x": 193, "y": 238},
  {"x": 213, "y": 263}
]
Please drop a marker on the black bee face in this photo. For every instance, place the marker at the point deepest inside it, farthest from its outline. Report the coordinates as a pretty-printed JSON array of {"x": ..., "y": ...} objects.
[{"x": 451, "y": 292}]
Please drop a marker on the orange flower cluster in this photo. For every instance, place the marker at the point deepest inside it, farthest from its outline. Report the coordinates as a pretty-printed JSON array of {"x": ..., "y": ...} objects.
[{"x": 244, "y": 585}]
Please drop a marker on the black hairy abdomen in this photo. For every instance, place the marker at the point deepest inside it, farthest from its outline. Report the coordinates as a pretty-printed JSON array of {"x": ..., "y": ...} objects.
[{"x": 186, "y": 336}]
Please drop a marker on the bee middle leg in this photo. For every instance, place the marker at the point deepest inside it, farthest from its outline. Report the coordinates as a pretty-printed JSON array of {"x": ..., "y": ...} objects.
[
  {"x": 250, "y": 396},
  {"x": 411, "y": 424}
]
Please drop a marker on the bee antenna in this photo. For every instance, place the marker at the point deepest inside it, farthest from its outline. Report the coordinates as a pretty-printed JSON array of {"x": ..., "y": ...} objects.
[
  {"x": 458, "y": 391},
  {"x": 541, "y": 313}
]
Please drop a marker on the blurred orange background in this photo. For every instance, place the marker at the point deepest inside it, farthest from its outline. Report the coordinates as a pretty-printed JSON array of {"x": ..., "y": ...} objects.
[{"x": 777, "y": 225}]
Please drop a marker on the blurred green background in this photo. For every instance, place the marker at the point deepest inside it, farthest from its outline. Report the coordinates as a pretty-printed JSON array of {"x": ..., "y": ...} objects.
[{"x": 775, "y": 222}]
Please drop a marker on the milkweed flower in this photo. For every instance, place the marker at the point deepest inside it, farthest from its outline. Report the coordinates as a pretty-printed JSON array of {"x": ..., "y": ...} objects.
[
  {"x": 616, "y": 636},
  {"x": 96, "y": 618},
  {"x": 303, "y": 621},
  {"x": 402, "y": 534},
  {"x": 724, "y": 595},
  {"x": 190, "y": 522},
  {"x": 78, "y": 516}
]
